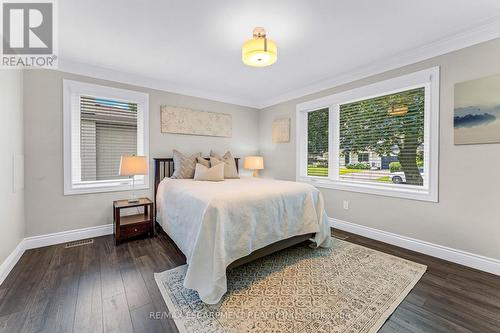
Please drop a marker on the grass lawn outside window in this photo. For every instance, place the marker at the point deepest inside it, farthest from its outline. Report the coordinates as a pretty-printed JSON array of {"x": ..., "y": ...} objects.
[{"x": 323, "y": 171}]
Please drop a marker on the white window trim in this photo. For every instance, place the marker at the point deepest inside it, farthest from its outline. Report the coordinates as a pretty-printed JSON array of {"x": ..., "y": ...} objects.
[
  {"x": 429, "y": 79},
  {"x": 72, "y": 90}
]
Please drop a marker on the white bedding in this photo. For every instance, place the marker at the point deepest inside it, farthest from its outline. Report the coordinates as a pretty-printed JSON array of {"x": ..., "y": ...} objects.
[{"x": 216, "y": 223}]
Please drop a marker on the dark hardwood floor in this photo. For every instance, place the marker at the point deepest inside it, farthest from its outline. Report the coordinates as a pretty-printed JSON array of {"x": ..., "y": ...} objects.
[{"x": 101, "y": 287}]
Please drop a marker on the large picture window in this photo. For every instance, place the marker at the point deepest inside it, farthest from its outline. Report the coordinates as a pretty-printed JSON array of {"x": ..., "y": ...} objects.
[
  {"x": 100, "y": 125},
  {"x": 389, "y": 127},
  {"x": 380, "y": 139}
]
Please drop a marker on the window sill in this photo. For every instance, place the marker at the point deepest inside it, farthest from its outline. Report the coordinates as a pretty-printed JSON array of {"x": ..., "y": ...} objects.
[
  {"x": 101, "y": 188},
  {"x": 386, "y": 190}
]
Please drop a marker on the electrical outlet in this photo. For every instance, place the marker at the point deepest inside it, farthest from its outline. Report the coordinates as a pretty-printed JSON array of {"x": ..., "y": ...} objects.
[{"x": 345, "y": 204}]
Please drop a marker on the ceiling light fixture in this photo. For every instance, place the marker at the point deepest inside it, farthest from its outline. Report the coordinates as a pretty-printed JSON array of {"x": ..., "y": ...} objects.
[
  {"x": 398, "y": 110},
  {"x": 259, "y": 51}
]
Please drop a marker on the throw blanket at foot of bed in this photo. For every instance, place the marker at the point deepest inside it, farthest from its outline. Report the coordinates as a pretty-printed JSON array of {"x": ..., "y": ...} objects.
[{"x": 216, "y": 223}]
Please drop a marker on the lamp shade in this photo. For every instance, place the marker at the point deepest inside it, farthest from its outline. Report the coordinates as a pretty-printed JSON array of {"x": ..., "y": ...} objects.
[
  {"x": 259, "y": 51},
  {"x": 254, "y": 163},
  {"x": 133, "y": 165}
]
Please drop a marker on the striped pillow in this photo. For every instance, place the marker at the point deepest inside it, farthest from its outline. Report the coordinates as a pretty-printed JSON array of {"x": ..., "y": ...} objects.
[{"x": 184, "y": 165}]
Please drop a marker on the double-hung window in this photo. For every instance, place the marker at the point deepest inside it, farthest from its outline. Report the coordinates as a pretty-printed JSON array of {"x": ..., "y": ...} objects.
[
  {"x": 100, "y": 125},
  {"x": 379, "y": 139}
]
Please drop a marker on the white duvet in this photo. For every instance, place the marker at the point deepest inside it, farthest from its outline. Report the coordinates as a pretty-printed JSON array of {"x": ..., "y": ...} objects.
[{"x": 216, "y": 223}]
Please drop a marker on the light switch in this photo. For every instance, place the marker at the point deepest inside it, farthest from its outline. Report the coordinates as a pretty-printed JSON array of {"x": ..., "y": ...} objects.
[{"x": 345, "y": 204}]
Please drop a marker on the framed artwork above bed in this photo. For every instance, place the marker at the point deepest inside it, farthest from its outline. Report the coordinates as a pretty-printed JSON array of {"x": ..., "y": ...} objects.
[{"x": 180, "y": 120}]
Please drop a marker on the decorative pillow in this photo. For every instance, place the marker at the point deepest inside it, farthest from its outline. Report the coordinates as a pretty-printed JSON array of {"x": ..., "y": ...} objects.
[
  {"x": 203, "y": 161},
  {"x": 184, "y": 165},
  {"x": 230, "y": 170},
  {"x": 213, "y": 174}
]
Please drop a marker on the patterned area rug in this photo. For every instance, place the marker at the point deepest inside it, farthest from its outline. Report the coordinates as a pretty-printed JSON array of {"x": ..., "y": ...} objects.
[{"x": 348, "y": 288}]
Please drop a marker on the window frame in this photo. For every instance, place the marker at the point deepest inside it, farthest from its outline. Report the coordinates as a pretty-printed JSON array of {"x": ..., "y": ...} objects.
[
  {"x": 429, "y": 79},
  {"x": 72, "y": 91}
]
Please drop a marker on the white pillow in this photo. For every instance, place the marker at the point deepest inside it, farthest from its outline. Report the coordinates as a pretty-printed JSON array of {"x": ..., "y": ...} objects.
[{"x": 213, "y": 174}]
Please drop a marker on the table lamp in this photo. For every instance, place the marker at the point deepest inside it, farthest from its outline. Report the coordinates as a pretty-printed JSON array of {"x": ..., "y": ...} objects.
[
  {"x": 254, "y": 163},
  {"x": 132, "y": 166}
]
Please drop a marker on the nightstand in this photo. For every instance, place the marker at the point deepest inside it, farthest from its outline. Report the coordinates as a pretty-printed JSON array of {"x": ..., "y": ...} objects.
[{"x": 133, "y": 225}]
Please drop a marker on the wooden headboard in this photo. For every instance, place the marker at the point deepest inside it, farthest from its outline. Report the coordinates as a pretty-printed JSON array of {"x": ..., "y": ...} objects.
[{"x": 164, "y": 167}]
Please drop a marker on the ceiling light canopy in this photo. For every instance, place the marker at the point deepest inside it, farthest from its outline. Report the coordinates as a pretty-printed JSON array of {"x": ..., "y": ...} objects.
[{"x": 259, "y": 51}]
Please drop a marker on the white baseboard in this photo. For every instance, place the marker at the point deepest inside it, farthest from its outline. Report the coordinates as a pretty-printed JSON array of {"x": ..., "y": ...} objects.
[
  {"x": 468, "y": 259},
  {"x": 11, "y": 261},
  {"x": 457, "y": 256},
  {"x": 67, "y": 236},
  {"x": 50, "y": 239}
]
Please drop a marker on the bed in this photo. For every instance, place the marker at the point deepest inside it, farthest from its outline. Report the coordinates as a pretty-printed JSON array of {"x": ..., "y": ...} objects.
[{"x": 220, "y": 225}]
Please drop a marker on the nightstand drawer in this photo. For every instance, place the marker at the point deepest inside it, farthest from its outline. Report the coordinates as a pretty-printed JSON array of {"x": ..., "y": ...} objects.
[{"x": 135, "y": 229}]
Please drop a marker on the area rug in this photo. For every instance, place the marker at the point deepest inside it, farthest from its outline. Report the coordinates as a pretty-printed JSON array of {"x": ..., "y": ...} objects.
[{"x": 348, "y": 288}]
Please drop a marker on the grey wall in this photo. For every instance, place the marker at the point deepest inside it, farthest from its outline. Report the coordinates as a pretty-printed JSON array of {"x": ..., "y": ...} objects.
[
  {"x": 47, "y": 209},
  {"x": 467, "y": 216},
  {"x": 11, "y": 145}
]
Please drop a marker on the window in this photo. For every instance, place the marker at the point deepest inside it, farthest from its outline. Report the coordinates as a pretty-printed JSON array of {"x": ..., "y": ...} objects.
[
  {"x": 363, "y": 157},
  {"x": 379, "y": 139},
  {"x": 100, "y": 125}
]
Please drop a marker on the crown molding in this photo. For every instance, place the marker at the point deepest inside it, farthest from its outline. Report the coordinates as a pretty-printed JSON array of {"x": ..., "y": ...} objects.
[
  {"x": 147, "y": 82},
  {"x": 486, "y": 31}
]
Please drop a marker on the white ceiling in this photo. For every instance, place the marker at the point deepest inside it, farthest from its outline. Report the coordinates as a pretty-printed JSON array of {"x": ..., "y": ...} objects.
[{"x": 194, "y": 46}]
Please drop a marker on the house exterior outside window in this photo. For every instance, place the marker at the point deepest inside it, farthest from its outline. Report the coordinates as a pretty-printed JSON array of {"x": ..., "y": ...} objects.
[{"x": 100, "y": 125}]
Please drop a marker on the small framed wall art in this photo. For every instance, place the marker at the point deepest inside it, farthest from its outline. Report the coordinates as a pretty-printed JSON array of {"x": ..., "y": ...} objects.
[{"x": 281, "y": 130}]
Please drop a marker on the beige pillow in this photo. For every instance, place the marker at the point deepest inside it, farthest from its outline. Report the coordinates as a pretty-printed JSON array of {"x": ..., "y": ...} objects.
[
  {"x": 230, "y": 170},
  {"x": 213, "y": 174},
  {"x": 203, "y": 161},
  {"x": 184, "y": 165},
  {"x": 216, "y": 154}
]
